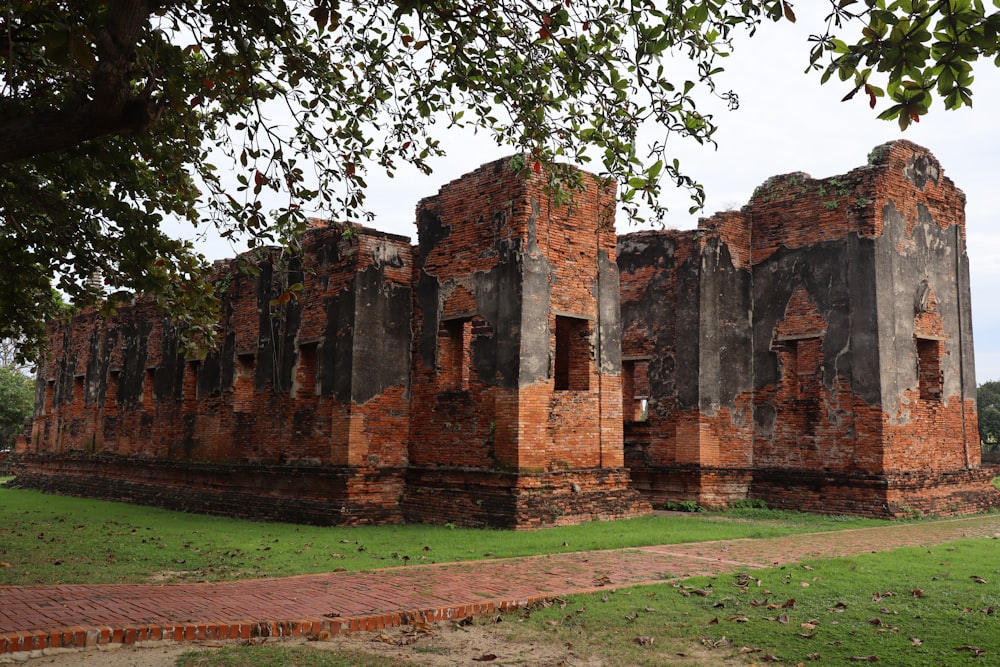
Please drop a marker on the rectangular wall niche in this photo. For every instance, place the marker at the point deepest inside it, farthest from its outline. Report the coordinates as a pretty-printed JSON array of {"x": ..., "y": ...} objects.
[
  {"x": 305, "y": 371},
  {"x": 572, "y": 363},
  {"x": 635, "y": 389},
  {"x": 243, "y": 385},
  {"x": 808, "y": 356},
  {"x": 929, "y": 375},
  {"x": 455, "y": 353}
]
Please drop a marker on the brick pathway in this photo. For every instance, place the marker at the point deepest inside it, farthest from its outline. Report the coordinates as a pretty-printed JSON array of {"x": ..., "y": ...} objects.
[{"x": 38, "y": 617}]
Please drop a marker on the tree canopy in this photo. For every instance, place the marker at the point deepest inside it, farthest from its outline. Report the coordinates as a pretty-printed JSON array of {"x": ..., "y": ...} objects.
[
  {"x": 988, "y": 407},
  {"x": 17, "y": 401},
  {"x": 116, "y": 114}
]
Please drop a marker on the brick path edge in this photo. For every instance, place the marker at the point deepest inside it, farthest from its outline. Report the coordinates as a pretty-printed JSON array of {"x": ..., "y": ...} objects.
[{"x": 28, "y": 641}]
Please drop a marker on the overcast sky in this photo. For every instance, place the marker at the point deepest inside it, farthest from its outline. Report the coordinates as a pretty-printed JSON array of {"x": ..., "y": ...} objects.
[{"x": 788, "y": 122}]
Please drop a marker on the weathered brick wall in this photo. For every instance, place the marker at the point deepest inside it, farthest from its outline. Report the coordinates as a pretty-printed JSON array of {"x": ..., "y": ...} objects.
[
  {"x": 503, "y": 273},
  {"x": 861, "y": 344},
  {"x": 514, "y": 352},
  {"x": 813, "y": 349},
  {"x": 318, "y": 379},
  {"x": 296, "y": 494},
  {"x": 685, "y": 316},
  {"x": 517, "y": 363}
]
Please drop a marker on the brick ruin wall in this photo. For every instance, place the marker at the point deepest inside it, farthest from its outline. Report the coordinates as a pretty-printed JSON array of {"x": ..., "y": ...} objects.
[
  {"x": 517, "y": 369},
  {"x": 429, "y": 383},
  {"x": 855, "y": 390},
  {"x": 516, "y": 372}
]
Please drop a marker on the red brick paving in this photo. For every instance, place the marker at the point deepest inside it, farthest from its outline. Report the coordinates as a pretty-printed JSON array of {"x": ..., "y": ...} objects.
[{"x": 38, "y": 617}]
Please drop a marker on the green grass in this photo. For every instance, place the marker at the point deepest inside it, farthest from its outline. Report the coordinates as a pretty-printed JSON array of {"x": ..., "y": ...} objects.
[
  {"x": 47, "y": 539},
  {"x": 909, "y": 607}
]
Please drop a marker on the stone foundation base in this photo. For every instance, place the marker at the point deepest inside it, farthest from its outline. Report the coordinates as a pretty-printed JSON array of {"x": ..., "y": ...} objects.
[
  {"x": 889, "y": 495},
  {"x": 520, "y": 501},
  {"x": 288, "y": 493},
  {"x": 709, "y": 487}
]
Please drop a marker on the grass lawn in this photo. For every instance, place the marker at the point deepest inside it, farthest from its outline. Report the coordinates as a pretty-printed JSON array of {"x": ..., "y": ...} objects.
[
  {"x": 47, "y": 539},
  {"x": 911, "y": 606}
]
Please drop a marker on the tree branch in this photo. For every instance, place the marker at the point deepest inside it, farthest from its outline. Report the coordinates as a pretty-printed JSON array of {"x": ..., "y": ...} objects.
[{"x": 113, "y": 110}]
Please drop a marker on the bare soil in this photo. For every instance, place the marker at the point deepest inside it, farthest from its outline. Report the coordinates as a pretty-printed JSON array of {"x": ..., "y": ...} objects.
[{"x": 438, "y": 645}]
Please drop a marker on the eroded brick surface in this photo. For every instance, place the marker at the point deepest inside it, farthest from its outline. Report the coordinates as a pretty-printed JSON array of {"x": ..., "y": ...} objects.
[
  {"x": 520, "y": 366},
  {"x": 474, "y": 378},
  {"x": 813, "y": 349}
]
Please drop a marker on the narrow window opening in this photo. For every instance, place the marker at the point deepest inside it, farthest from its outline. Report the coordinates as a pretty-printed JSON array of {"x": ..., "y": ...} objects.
[
  {"x": 305, "y": 374},
  {"x": 807, "y": 361},
  {"x": 149, "y": 390},
  {"x": 572, "y": 362},
  {"x": 191, "y": 386},
  {"x": 635, "y": 390},
  {"x": 929, "y": 375},
  {"x": 78, "y": 396},
  {"x": 111, "y": 395},
  {"x": 455, "y": 353},
  {"x": 243, "y": 387},
  {"x": 49, "y": 393}
]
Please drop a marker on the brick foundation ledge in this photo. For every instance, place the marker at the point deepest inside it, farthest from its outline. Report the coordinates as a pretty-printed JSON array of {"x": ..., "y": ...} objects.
[
  {"x": 708, "y": 486},
  {"x": 519, "y": 501},
  {"x": 320, "y": 495},
  {"x": 889, "y": 495}
]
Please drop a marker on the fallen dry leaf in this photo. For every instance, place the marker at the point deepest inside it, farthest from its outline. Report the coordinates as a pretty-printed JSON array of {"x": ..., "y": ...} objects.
[
  {"x": 716, "y": 643},
  {"x": 420, "y": 626},
  {"x": 863, "y": 658},
  {"x": 978, "y": 579},
  {"x": 486, "y": 657},
  {"x": 916, "y": 641},
  {"x": 643, "y": 640},
  {"x": 975, "y": 650}
]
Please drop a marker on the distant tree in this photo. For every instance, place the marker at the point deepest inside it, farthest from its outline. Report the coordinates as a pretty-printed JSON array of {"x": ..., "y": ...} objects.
[
  {"x": 21, "y": 340},
  {"x": 17, "y": 400},
  {"x": 988, "y": 405}
]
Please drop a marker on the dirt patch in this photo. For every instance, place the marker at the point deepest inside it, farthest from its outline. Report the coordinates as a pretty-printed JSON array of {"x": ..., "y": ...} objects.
[{"x": 437, "y": 645}]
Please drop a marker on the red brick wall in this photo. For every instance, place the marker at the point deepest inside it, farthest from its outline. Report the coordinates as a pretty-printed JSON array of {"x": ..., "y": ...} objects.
[
  {"x": 170, "y": 410},
  {"x": 860, "y": 331},
  {"x": 812, "y": 349},
  {"x": 494, "y": 221}
]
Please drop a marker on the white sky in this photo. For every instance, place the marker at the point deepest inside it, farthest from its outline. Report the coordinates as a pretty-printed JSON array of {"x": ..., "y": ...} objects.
[{"x": 786, "y": 122}]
